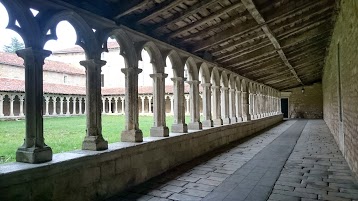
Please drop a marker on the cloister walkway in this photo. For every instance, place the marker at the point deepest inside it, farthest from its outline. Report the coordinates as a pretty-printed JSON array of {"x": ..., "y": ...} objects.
[{"x": 295, "y": 160}]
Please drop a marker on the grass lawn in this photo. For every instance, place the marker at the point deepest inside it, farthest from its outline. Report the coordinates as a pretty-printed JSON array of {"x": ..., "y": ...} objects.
[{"x": 66, "y": 133}]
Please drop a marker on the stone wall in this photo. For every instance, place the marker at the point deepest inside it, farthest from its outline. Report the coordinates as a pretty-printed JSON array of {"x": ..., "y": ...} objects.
[
  {"x": 341, "y": 106},
  {"x": 307, "y": 105},
  {"x": 89, "y": 175}
]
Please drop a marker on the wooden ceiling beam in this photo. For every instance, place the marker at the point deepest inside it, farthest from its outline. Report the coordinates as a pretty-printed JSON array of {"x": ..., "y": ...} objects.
[
  {"x": 293, "y": 6},
  {"x": 206, "y": 19},
  {"x": 261, "y": 21},
  {"x": 157, "y": 10},
  {"x": 177, "y": 17},
  {"x": 249, "y": 54},
  {"x": 130, "y": 7},
  {"x": 257, "y": 59}
]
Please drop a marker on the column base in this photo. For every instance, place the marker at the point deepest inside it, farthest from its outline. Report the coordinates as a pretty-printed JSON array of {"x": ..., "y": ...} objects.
[
  {"x": 34, "y": 155},
  {"x": 162, "y": 131},
  {"x": 94, "y": 143},
  {"x": 208, "y": 123},
  {"x": 179, "y": 128},
  {"x": 132, "y": 136},
  {"x": 195, "y": 126},
  {"x": 233, "y": 120},
  {"x": 218, "y": 122},
  {"x": 226, "y": 121},
  {"x": 239, "y": 119},
  {"x": 248, "y": 118}
]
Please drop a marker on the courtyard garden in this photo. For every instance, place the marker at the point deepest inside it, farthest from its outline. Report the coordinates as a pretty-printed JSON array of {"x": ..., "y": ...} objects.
[{"x": 66, "y": 133}]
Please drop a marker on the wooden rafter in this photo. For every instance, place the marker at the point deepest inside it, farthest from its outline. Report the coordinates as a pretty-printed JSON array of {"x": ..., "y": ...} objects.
[{"x": 130, "y": 7}]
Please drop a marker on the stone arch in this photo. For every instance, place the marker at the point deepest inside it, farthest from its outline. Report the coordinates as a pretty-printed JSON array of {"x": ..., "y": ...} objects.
[
  {"x": 215, "y": 77},
  {"x": 244, "y": 85},
  {"x": 238, "y": 83},
  {"x": 192, "y": 68},
  {"x": 205, "y": 73},
  {"x": 156, "y": 58},
  {"x": 85, "y": 36},
  {"x": 127, "y": 49},
  {"x": 177, "y": 63},
  {"x": 232, "y": 81},
  {"x": 28, "y": 29},
  {"x": 224, "y": 79}
]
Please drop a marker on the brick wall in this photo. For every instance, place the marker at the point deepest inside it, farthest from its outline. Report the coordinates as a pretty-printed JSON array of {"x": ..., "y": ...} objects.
[
  {"x": 308, "y": 104},
  {"x": 343, "y": 50}
]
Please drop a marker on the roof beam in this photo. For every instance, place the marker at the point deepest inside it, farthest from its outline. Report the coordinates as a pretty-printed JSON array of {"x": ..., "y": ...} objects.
[
  {"x": 205, "y": 20},
  {"x": 182, "y": 15},
  {"x": 130, "y": 7},
  {"x": 157, "y": 10},
  {"x": 261, "y": 21}
]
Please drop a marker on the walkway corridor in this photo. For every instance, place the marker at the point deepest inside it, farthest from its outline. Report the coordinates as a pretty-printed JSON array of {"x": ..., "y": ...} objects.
[{"x": 295, "y": 160}]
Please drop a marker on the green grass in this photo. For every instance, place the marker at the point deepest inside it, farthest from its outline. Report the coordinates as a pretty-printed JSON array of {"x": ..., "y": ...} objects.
[{"x": 66, "y": 133}]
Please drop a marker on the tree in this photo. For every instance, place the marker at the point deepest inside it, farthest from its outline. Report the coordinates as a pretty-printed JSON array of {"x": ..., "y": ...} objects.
[{"x": 14, "y": 45}]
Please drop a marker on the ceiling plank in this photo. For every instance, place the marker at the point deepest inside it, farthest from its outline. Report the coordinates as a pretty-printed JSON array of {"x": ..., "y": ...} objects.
[
  {"x": 260, "y": 20},
  {"x": 130, "y": 7}
]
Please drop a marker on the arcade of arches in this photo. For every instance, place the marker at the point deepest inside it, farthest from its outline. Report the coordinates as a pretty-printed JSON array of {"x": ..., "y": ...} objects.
[{"x": 239, "y": 96}]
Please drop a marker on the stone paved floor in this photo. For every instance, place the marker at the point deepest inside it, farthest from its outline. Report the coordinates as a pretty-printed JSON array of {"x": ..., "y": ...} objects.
[{"x": 257, "y": 169}]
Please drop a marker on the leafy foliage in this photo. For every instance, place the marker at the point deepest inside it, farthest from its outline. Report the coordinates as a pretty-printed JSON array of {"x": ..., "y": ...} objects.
[{"x": 14, "y": 45}]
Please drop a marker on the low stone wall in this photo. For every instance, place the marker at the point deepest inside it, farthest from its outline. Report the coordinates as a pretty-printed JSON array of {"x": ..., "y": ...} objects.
[{"x": 90, "y": 175}]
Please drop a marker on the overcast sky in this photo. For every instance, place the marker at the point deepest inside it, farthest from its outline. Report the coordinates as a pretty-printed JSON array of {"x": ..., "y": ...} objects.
[{"x": 65, "y": 32}]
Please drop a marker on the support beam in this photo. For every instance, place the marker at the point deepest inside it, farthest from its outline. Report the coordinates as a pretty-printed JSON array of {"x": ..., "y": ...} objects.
[{"x": 130, "y": 7}]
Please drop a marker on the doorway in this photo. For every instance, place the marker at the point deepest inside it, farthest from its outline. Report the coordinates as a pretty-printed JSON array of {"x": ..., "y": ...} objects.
[{"x": 284, "y": 107}]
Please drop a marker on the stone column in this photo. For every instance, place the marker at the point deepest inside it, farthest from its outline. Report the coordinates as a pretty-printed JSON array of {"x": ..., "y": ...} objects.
[
  {"x": 238, "y": 106},
  {"x": 80, "y": 105},
  {"x": 195, "y": 123},
  {"x": 149, "y": 104},
  {"x": 74, "y": 101},
  {"x": 12, "y": 97},
  {"x": 142, "y": 100},
  {"x": 116, "y": 105},
  {"x": 1, "y": 105},
  {"x": 245, "y": 106},
  {"x": 110, "y": 105},
  {"x": 225, "y": 105},
  {"x": 21, "y": 106},
  {"x": 68, "y": 105},
  {"x": 53, "y": 106},
  {"x": 232, "y": 105},
  {"x": 171, "y": 104},
  {"x": 34, "y": 149},
  {"x": 47, "y": 101},
  {"x": 208, "y": 122},
  {"x": 159, "y": 129},
  {"x": 132, "y": 133},
  {"x": 61, "y": 105},
  {"x": 216, "y": 106},
  {"x": 93, "y": 139},
  {"x": 187, "y": 108},
  {"x": 179, "y": 125},
  {"x": 122, "y": 106}
]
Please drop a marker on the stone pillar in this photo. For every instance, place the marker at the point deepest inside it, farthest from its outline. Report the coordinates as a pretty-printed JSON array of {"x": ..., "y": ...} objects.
[
  {"x": 93, "y": 139},
  {"x": 132, "y": 133},
  {"x": 179, "y": 125},
  {"x": 34, "y": 149},
  {"x": 1, "y": 105},
  {"x": 103, "y": 105},
  {"x": 216, "y": 106},
  {"x": 61, "y": 105},
  {"x": 122, "y": 106},
  {"x": 12, "y": 97},
  {"x": 150, "y": 104},
  {"x": 232, "y": 105},
  {"x": 116, "y": 105},
  {"x": 225, "y": 105},
  {"x": 245, "y": 106},
  {"x": 187, "y": 111},
  {"x": 74, "y": 101},
  {"x": 238, "y": 106},
  {"x": 53, "y": 106},
  {"x": 47, "y": 101},
  {"x": 110, "y": 105},
  {"x": 195, "y": 123},
  {"x": 21, "y": 106},
  {"x": 208, "y": 122},
  {"x": 80, "y": 105},
  {"x": 171, "y": 104},
  {"x": 142, "y": 100},
  {"x": 159, "y": 129},
  {"x": 68, "y": 105}
]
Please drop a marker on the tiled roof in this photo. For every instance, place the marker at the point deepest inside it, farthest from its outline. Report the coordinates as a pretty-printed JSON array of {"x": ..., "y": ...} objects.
[
  {"x": 53, "y": 66},
  {"x": 78, "y": 49},
  {"x": 13, "y": 85}
]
